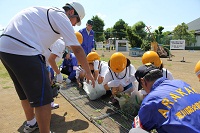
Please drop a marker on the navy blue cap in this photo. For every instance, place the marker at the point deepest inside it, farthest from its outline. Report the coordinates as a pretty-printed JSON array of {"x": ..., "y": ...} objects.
[
  {"x": 142, "y": 71},
  {"x": 90, "y": 22}
]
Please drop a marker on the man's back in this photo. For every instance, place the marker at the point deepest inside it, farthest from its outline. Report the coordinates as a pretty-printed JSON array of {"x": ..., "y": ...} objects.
[
  {"x": 175, "y": 105},
  {"x": 39, "y": 28}
]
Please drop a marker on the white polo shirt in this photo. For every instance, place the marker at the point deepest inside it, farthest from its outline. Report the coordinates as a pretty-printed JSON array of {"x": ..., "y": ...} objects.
[
  {"x": 123, "y": 76},
  {"x": 167, "y": 74},
  {"x": 103, "y": 68},
  {"x": 39, "y": 27},
  {"x": 57, "y": 48}
]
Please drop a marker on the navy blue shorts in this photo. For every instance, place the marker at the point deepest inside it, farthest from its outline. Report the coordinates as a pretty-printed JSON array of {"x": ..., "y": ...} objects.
[{"x": 30, "y": 77}]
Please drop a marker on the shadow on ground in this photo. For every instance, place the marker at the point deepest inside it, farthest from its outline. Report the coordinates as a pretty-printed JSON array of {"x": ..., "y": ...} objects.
[{"x": 61, "y": 126}]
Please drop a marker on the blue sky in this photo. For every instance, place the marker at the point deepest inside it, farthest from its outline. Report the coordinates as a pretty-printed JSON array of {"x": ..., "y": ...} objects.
[{"x": 154, "y": 13}]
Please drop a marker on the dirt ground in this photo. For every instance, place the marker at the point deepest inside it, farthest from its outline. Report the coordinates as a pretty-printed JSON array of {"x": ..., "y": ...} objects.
[{"x": 67, "y": 119}]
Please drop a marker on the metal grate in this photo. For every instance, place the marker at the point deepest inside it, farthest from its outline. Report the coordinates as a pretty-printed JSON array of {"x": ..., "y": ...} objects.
[{"x": 108, "y": 118}]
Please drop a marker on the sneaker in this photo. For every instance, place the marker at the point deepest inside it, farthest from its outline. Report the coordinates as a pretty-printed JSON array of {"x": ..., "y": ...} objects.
[
  {"x": 68, "y": 81},
  {"x": 54, "y": 106},
  {"x": 28, "y": 128}
]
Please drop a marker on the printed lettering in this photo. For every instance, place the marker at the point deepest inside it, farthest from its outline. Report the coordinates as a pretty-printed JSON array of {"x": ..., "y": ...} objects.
[
  {"x": 179, "y": 115},
  {"x": 174, "y": 97},
  {"x": 188, "y": 90},
  {"x": 195, "y": 107},
  {"x": 198, "y": 104},
  {"x": 189, "y": 109},
  {"x": 181, "y": 92},
  {"x": 193, "y": 89},
  {"x": 167, "y": 103},
  {"x": 163, "y": 112},
  {"x": 183, "y": 113}
]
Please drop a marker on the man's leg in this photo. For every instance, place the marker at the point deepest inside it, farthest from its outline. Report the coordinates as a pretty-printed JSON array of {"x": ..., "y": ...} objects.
[
  {"x": 32, "y": 89},
  {"x": 31, "y": 123},
  {"x": 28, "y": 110},
  {"x": 43, "y": 116}
]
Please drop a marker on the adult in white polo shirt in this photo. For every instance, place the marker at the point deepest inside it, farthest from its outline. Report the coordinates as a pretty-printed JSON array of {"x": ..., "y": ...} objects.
[{"x": 28, "y": 35}]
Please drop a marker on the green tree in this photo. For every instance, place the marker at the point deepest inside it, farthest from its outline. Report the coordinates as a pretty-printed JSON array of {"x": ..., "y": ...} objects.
[
  {"x": 190, "y": 38},
  {"x": 119, "y": 29},
  {"x": 146, "y": 45},
  {"x": 98, "y": 28},
  {"x": 180, "y": 31},
  {"x": 108, "y": 33},
  {"x": 139, "y": 29},
  {"x": 136, "y": 34},
  {"x": 167, "y": 36},
  {"x": 158, "y": 34},
  {"x": 132, "y": 37}
]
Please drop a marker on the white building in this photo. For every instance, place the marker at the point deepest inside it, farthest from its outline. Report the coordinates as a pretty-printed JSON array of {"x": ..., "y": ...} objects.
[{"x": 195, "y": 25}]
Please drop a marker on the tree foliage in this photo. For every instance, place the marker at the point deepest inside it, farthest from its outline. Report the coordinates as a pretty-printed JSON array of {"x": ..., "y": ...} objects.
[
  {"x": 146, "y": 45},
  {"x": 167, "y": 36},
  {"x": 108, "y": 33},
  {"x": 119, "y": 29},
  {"x": 139, "y": 29},
  {"x": 132, "y": 37},
  {"x": 98, "y": 28},
  {"x": 158, "y": 34},
  {"x": 136, "y": 34},
  {"x": 181, "y": 32},
  {"x": 190, "y": 38}
]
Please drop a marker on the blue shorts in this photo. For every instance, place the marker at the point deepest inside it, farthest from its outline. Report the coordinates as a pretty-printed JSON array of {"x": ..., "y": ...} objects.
[{"x": 30, "y": 77}]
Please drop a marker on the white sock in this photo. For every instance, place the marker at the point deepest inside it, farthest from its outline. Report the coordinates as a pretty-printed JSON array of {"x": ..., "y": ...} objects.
[
  {"x": 32, "y": 122},
  {"x": 52, "y": 103}
]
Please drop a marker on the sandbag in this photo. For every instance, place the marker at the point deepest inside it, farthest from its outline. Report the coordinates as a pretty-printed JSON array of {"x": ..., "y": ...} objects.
[{"x": 94, "y": 93}]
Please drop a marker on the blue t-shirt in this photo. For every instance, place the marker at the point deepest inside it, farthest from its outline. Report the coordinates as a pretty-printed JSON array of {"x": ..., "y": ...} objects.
[{"x": 172, "y": 106}]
